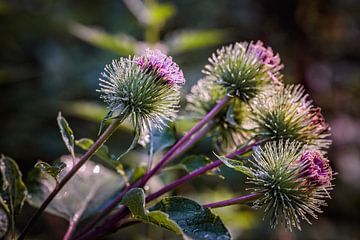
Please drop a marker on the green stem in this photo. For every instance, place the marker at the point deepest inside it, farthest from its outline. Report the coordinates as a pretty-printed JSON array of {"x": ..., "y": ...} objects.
[{"x": 101, "y": 140}]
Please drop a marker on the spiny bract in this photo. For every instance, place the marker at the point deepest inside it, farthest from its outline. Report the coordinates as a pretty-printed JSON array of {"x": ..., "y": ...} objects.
[
  {"x": 145, "y": 88},
  {"x": 244, "y": 68},
  {"x": 286, "y": 113},
  {"x": 230, "y": 124},
  {"x": 290, "y": 188}
]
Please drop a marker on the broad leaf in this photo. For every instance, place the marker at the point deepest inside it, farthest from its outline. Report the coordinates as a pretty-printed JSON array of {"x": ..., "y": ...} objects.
[
  {"x": 104, "y": 154},
  {"x": 66, "y": 134},
  {"x": 177, "y": 214},
  {"x": 135, "y": 201},
  {"x": 84, "y": 194},
  {"x": 13, "y": 190},
  {"x": 46, "y": 168}
]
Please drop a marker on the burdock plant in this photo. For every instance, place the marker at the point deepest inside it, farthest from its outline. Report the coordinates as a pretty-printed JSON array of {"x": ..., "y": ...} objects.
[{"x": 270, "y": 132}]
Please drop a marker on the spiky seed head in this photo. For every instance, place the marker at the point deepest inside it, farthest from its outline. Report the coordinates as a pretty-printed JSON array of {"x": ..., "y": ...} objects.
[
  {"x": 290, "y": 187},
  {"x": 288, "y": 114},
  {"x": 244, "y": 68},
  {"x": 155, "y": 60},
  {"x": 145, "y": 88},
  {"x": 230, "y": 124}
]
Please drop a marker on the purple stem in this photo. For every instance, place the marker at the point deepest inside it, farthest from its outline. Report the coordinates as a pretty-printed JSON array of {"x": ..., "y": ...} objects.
[
  {"x": 232, "y": 201},
  {"x": 101, "y": 140},
  {"x": 214, "y": 111},
  {"x": 197, "y": 172},
  {"x": 186, "y": 139},
  {"x": 123, "y": 211}
]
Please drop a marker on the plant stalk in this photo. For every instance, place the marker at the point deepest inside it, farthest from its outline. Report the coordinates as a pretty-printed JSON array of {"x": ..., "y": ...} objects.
[
  {"x": 173, "y": 152},
  {"x": 101, "y": 140},
  {"x": 233, "y": 201}
]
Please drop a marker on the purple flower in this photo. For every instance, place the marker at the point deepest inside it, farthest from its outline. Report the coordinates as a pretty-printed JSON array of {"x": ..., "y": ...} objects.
[
  {"x": 267, "y": 57},
  {"x": 316, "y": 169},
  {"x": 162, "y": 65}
]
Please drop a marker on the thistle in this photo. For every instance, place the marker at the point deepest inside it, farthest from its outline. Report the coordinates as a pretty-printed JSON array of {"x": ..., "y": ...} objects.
[
  {"x": 288, "y": 114},
  {"x": 144, "y": 87},
  {"x": 244, "y": 68},
  {"x": 294, "y": 182},
  {"x": 230, "y": 124}
]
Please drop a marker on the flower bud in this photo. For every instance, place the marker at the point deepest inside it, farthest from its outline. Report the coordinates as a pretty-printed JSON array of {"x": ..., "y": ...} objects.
[
  {"x": 145, "y": 88},
  {"x": 287, "y": 114},
  {"x": 244, "y": 68},
  {"x": 229, "y": 125},
  {"x": 293, "y": 182}
]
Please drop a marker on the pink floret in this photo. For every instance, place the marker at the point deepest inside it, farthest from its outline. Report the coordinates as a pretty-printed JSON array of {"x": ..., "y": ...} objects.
[
  {"x": 317, "y": 169},
  {"x": 162, "y": 65}
]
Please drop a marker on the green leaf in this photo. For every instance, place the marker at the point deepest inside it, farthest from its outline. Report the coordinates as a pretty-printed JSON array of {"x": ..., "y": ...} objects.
[
  {"x": 84, "y": 194},
  {"x": 161, "y": 139},
  {"x": 139, "y": 171},
  {"x": 135, "y": 201},
  {"x": 234, "y": 164},
  {"x": 13, "y": 190},
  {"x": 46, "y": 168},
  {"x": 194, "y": 162},
  {"x": 103, "y": 152},
  {"x": 177, "y": 214},
  {"x": 66, "y": 134},
  {"x": 185, "y": 41},
  {"x": 121, "y": 43}
]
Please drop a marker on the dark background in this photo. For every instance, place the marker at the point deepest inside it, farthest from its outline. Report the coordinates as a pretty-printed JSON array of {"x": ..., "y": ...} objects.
[{"x": 45, "y": 67}]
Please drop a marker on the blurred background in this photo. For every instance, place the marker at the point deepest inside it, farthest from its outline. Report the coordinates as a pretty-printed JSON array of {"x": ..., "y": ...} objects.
[{"x": 52, "y": 53}]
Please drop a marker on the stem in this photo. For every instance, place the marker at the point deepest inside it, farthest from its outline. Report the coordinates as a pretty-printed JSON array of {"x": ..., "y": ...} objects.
[
  {"x": 168, "y": 156},
  {"x": 123, "y": 211},
  {"x": 173, "y": 152},
  {"x": 197, "y": 172},
  {"x": 232, "y": 201},
  {"x": 101, "y": 140}
]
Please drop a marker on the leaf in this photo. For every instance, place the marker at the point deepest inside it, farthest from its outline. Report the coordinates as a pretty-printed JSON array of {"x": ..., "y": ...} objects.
[
  {"x": 161, "y": 139},
  {"x": 177, "y": 214},
  {"x": 66, "y": 134},
  {"x": 185, "y": 41},
  {"x": 194, "y": 162},
  {"x": 234, "y": 164},
  {"x": 195, "y": 221},
  {"x": 46, "y": 168},
  {"x": 84, "y": 194},
  {"x": 121, "y": 43},
  {"x": 104, "y": 154},
  {"x": 13, "y": 190},
  {"x": 135, "y": 201},
  {"x": 139, "y": 171}
]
